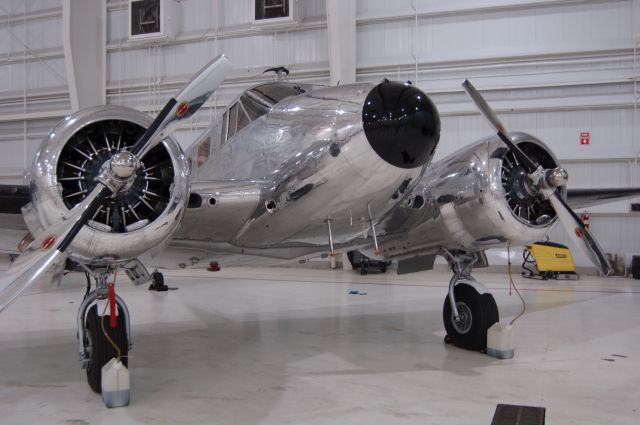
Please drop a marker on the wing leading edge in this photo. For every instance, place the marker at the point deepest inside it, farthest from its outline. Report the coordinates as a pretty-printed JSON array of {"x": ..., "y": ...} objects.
[{"x": 582, "y": 198}]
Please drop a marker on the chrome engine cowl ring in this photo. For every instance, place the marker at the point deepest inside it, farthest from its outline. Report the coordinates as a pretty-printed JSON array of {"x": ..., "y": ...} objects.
[{"x": 65, "y": 170}]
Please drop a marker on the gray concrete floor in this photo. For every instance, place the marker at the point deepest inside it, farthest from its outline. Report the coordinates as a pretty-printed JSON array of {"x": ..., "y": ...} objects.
[{"x": 290, "y": 346}]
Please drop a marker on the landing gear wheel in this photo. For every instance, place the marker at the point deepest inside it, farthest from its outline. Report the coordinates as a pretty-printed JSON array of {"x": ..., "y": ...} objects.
[
  {"x": 478, "y": 312},
  {"x": 100, "y": 350}
]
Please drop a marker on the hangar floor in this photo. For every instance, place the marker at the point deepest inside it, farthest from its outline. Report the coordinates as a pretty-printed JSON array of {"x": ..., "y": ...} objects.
[{"x": 291, "y": 346}]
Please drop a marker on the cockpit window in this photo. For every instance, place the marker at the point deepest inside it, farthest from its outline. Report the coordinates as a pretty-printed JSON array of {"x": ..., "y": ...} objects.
[
  {"x": 254, "y": 103},
  {"x": 274, "y": 93},
  {"x": 233, "y": 121}
]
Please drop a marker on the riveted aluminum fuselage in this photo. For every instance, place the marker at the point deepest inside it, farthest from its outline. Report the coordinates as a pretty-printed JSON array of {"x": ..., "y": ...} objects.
[{"x": 304, "y": 163}]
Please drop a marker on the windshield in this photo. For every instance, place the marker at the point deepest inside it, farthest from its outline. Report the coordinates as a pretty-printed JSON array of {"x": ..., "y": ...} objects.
[{"x": 254, "y": 103}]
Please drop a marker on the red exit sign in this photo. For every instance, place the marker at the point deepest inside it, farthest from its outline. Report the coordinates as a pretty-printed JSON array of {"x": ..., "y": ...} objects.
[{"x": 585, "y": 138}]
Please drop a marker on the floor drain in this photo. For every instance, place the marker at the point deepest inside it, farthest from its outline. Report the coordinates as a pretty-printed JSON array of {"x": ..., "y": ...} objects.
[{"x": 511, "y": 414}]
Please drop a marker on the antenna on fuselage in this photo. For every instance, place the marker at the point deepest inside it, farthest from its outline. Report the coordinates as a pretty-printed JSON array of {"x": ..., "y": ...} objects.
[{"x": 281, "y": 72}]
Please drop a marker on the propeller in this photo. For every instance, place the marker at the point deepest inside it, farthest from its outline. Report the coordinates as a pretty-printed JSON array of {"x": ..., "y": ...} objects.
[
  {"x": 546, "y": 182},
  {"x": 49, "y": 249}
]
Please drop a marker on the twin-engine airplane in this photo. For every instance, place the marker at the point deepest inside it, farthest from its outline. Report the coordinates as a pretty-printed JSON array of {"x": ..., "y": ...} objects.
[{"x": 289, "y": 171}]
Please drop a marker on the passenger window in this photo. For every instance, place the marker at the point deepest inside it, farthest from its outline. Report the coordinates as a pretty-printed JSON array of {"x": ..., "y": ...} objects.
[{"x": 204, "y": 150}]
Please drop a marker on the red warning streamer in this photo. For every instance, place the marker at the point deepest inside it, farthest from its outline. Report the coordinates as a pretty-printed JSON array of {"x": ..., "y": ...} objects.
[{"x": 112, "y": 304}]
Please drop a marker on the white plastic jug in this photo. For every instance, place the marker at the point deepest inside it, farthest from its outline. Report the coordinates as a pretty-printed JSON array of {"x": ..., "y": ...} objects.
[
  {"x": 115, "y": 384},
  {"x": 499, "y": 343}
]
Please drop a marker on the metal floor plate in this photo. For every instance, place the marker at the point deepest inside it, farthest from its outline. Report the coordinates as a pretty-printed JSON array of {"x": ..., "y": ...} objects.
[{"x": 511, "y": 414}]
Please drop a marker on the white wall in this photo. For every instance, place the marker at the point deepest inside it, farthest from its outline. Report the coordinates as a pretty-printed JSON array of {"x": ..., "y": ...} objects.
[{"x": 554, "y": 68}]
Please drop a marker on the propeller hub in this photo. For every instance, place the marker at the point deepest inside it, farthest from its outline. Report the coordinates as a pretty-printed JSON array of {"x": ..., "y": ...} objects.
[
  {"x": 119, "y": 172},
  {"x": 556, "y": 177},
  {"x": 124, "y": 164}
]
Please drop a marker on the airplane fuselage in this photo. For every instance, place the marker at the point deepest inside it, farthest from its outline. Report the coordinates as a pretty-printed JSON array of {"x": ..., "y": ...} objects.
[{"x": 306, "y": 162}]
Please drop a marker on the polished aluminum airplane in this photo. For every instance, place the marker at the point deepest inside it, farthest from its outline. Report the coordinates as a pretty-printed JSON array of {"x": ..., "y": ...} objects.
[{"x": 288, "y": 172}]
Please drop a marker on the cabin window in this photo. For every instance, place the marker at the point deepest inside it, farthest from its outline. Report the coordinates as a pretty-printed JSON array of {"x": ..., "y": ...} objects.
[{"x": 204, "y": 150}]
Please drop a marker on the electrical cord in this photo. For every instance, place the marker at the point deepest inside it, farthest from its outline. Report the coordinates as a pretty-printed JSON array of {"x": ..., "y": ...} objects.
[
  {"x": 104, "y": 331},
  {"x": 524, "y": 305}
]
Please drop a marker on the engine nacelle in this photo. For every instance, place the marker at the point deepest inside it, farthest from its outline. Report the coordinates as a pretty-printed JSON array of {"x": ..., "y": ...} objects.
[
  {"x": 127, "y": 224},
  {"x": 472, "y": 200}
]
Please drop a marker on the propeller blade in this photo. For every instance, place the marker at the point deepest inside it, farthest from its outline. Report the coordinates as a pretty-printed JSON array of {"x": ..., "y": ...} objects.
[
  {"x": 47, "y": 250},
  {"x": 26, "y": 270},
  {"x": 580, "y": 235},
  {"x": 192, "y": 96},
  {"x": 495, "y": 122},
  {"x": 575, "y": 228}
]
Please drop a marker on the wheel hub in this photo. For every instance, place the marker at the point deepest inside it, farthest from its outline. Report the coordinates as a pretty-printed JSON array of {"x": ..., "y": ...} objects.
[{"x": 465, "y": 319}]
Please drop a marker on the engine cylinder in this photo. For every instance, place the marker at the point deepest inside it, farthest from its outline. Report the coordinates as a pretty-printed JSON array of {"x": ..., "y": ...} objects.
[{"x": 128, "y": 223}]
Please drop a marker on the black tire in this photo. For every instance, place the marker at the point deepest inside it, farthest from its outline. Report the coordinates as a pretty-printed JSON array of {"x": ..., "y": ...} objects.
[
  {"x": 100, "y": 350},
  {"x": 483, "y": 313},
  {"x": 549, "y": 275},
  {"x": 157, "y": 279}
]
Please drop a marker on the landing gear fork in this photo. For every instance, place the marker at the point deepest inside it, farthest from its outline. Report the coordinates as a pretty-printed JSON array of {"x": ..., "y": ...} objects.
[
  {"x": 461, "y": 265},
  {"x": 100, "y": 293},
  {"x": 469, "y": 310}
]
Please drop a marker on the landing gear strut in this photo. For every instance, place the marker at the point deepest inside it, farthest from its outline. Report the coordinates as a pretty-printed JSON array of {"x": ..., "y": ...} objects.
[
  {"x": 95, "y": 348},
  {"x": 469, "y": 310}
]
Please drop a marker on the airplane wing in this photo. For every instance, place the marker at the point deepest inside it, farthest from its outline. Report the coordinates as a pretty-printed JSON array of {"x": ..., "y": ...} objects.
[
  {"x": 582, "y": 198},
  {"x": 12, "y": 198},
  {"x": 12, "y": 226}
]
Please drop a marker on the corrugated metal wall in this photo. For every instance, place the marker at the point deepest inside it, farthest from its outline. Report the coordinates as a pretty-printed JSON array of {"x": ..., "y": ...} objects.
[{"x": 554, "y": 68}]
